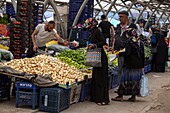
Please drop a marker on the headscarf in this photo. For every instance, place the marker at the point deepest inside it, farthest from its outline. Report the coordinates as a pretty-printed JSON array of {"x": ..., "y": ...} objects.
[
  {"x": 132, "y": 36},
  {"x": 90, "y": 23}
]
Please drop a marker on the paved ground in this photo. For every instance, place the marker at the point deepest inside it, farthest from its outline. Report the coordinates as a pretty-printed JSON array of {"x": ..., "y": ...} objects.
[{"x": 157, "y": 102}]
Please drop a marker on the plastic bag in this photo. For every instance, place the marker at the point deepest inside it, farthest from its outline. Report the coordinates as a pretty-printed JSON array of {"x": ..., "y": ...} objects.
[{"x": 144, "y": 88}]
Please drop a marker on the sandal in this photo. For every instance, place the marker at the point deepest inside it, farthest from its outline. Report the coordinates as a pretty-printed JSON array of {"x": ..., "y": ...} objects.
[{"x": 118, "y": 98}]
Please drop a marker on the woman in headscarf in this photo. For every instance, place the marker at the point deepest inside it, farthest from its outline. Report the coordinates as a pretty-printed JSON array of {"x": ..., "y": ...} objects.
[
  {"x": 99, "y": 86},
  {"x": 132, "y": 69},
  {"x": 159, "y": 58}
]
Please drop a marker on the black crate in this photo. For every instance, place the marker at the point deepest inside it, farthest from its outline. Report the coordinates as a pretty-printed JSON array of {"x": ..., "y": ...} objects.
[
  {"x": 4, "y": 80},
  {"x": 54, "y": 100},
  {"x": 5, "y": 92},
  {"x": 85, "y": 90}
]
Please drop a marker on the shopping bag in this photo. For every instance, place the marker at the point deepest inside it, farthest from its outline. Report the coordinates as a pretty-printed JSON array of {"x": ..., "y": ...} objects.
[
  {"x": 144, "y": 88},
  {"x": 93, "y": 57}
]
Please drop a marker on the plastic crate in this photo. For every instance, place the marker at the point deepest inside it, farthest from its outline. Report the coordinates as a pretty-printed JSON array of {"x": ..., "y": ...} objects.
[
  {"x": 54, "y": 100},
  {"x": 85, "y": 90},
  {"x": 5, "y": 92},
  {"x": 115, "y": 78},
  {"x": 26, "y": 94},
  {"x": 75, "y": 93},
  {"x": 26, "y": 98},
  {"x": 5, "y": 80},
  {"x": 146, "y": 69},
  {"x": 149, "y": 67}
]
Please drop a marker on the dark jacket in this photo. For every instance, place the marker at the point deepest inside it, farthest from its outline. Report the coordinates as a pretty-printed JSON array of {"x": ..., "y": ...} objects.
[
  {"x": 120, "y": 40},
  {"x": 134, "y": 57},
  {"x": 95, "y": 37}
]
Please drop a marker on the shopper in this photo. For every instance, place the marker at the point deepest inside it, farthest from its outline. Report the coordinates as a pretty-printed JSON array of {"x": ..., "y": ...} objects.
[
  {"x": 107, "y": 30},
  {"x": 132, "y": 68},
  {"x": 120, "y": 38},
  {"x": 159, "y": 58},
  {"x": 99, "y": 86},
  {"x": 43, "y": 33}
]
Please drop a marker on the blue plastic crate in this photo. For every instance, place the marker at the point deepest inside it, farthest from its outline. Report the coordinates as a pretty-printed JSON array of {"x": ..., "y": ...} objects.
[
  {"x": 54, "y": 100},
  {"x": 115, "y": 78},
  {"x": 149, "y": 67},
  {"x": 146, "y": 69},
  {"x": 85, "y": 90},
  {"x": 26, "y": 98},
  {"x": 25, "y": 85}
]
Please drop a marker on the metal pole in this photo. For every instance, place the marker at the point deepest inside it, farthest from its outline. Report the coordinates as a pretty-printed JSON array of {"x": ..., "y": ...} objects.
[
  {"x": 142, "y": 11},
  {"x": 166, "y": 19},
  {"x": 110, "y": 7},
  {"x": 78, "y": 16},
  {"x": 100, "y": 7},
  {"x": 152, "y": 15},
  {"x": 58, "y": 17},
  {"x": 160, "y": 17}
]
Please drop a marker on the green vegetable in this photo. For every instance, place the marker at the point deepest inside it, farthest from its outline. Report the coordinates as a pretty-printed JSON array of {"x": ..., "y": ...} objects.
[
  {"x": 78, "y": 56},
  {"x": 147, "y": 51}
]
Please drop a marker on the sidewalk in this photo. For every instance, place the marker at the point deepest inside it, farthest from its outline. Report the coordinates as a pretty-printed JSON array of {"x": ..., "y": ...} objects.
[{"x": 157, "y": 81}]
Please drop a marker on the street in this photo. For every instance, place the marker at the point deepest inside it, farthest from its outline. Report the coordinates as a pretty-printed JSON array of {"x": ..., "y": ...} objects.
[{"x": 157, "y": 102}]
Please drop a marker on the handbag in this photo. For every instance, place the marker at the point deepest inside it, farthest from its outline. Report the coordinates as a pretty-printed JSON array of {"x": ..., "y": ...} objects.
[
  {"x": 144, "y": 88},
  {"x": 93, "y": 57},
  {"x": 154, "y": 49}
]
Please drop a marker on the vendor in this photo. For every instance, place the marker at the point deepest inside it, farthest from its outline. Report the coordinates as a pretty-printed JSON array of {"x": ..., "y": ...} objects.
[{"x": 43, "y": 33}]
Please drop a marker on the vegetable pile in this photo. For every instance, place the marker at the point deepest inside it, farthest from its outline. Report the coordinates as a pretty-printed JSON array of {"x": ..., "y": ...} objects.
[
  {"x": 75, "y": 58},
  {"x": 45, "y": 65}
]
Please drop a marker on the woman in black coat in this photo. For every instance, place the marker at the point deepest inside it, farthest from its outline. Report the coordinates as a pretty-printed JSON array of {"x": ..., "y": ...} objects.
[
  {"x": 132, "y": 69},
  {"x": 99, "y": 86},
  {"x": 161, "y": 56}
]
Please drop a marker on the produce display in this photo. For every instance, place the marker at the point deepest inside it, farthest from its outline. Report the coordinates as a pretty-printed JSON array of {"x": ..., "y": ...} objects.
[
  {"x": 75, "y": 58},
  {"x": 58, "y": 71},
  {"x": 147, "y": 51}
]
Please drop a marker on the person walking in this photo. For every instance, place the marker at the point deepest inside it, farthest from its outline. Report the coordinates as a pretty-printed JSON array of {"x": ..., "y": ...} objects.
[
  {"x": 99, "y": 85},
  {"x": 132, "y": 67},
  {"x": 107, "y": 30}
]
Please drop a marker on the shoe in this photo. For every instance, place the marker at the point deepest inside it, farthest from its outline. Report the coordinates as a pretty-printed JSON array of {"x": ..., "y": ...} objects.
[
  {"x": 118, "y": 98},
  {"x": 102, "y": 103},
  {"x": 132, "y": 99}
]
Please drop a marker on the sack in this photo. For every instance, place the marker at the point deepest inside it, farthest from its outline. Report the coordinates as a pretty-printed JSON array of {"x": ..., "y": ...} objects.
[
  {"x": 154, "y": 50},
  {"x": 93, "y": 57},
  {"x": 144, "y": 88}
]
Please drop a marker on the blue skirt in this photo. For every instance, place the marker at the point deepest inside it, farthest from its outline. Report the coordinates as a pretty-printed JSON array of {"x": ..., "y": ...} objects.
[{"x": 129, "y": 84}]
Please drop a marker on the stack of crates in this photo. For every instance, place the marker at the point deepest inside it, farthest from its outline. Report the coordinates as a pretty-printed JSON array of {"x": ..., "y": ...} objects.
[
  {"x": 26, "y": 94},
  {"x": 5, "y": 85},
  {"x": 54, "y": 100},
  {"x": 19, "y": 39},
  {"x": 74, "y": 6},
  {"x": 24, "y": 10},
  {"x": 39, "y": 12}
]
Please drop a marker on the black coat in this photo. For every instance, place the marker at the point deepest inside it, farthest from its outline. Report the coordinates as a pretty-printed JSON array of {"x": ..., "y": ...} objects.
[
  {"x": 133, "y": 56},
  {"x": 162, "y": 49},
  {"x": 99, "y": 85}
]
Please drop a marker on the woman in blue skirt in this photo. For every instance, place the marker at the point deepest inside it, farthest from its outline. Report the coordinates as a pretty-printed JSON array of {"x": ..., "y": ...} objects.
[{"x": 132, "y": 69}]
